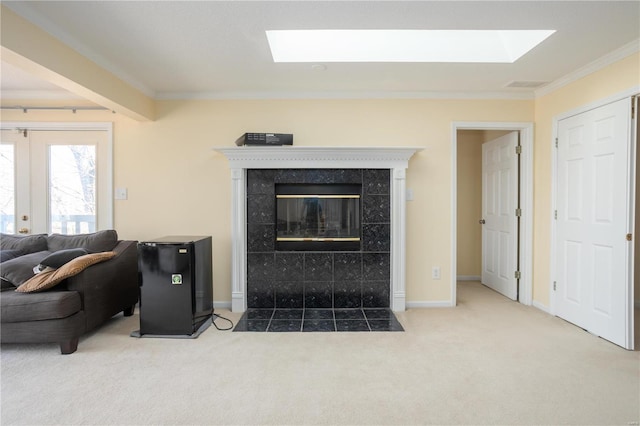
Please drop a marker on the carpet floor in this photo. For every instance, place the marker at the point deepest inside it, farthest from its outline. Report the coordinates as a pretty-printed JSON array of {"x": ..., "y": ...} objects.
[{"x": 487, "y": 361}]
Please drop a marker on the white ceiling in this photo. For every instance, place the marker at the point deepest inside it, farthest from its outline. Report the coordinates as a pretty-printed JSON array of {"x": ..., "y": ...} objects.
[{"x": 217, "y": 49}]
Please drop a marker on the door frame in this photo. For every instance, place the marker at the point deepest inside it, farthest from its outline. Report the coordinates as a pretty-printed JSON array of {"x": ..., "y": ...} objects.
[
  {"x": 631, "y": 169},
  {"x": 77, "y": 126},
  {"x": 526, "y": 202}
]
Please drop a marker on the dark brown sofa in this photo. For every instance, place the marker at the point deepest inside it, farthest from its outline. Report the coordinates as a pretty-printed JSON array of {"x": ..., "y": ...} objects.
[{"x": 76, "y": 305}]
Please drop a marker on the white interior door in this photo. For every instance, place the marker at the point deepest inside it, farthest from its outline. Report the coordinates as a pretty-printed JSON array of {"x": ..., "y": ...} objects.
[
  {"x": 592, "y": 251},
  {"x": 499, "y": 225}
]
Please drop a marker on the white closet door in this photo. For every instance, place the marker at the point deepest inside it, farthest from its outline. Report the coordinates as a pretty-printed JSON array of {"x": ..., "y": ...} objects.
[{"x": 592, "y": 253}]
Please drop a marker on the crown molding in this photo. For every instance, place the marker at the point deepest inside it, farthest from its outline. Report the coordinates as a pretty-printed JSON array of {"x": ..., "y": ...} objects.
[
  {"x": 520, "y": 95},
  {"x": 604, "y": 61}
]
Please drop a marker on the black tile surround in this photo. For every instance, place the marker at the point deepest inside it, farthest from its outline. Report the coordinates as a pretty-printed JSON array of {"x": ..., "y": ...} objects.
[
  {"x": 318, "y": 320},
  {"x": 318, "y": 280}
]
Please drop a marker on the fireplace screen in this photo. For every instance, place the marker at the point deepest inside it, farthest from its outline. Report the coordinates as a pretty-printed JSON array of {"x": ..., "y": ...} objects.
[{"x": 327, "y": 219}]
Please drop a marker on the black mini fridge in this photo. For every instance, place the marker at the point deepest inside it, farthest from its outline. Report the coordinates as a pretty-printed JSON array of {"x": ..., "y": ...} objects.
[{"x": 176, "y": 284}]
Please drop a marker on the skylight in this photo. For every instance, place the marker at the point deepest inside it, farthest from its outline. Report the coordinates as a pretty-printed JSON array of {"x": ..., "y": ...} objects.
[{"x": 496, "y": 46}]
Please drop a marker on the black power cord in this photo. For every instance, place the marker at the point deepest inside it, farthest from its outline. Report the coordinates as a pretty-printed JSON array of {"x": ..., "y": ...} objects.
[{"x": 221, "y": 317}]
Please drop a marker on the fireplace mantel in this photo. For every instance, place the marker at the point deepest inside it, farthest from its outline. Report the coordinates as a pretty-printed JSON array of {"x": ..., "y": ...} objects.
[
  {"x": 301, "y": 157},
  {"x": 287, "y": 157}
]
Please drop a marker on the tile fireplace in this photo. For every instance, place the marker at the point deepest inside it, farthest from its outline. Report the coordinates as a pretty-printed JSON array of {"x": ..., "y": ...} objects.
[
  {"x": 368, "y": 274},
  {"x": 333, "y": 254}
]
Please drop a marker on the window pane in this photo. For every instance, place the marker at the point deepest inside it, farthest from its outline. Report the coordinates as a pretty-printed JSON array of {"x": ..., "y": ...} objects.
[
  {"x": 72, "y": 189},
  {"x": 7, "y": 189}
]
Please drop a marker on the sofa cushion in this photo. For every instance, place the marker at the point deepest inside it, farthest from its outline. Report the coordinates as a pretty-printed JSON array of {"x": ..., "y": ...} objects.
[
  {"x": 25, "y": 243},
  {"x": 94, "y": 242},
  {"x": 48, "y": 279},
  {"x": 18, "y": 270},
  {"x": 9, "y": 254},
  {"x": 18, "y": 307},
  {"x": 4, "y": 256}
]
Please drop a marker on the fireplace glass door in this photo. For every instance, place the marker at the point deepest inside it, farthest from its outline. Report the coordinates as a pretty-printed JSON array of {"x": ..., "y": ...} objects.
[{"x": 320, "y": 221}]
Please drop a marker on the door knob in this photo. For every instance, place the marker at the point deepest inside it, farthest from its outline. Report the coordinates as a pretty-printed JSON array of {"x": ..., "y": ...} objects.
[
  {"x": 23, "y": 230},
  {"x": 481, "y": 221}
]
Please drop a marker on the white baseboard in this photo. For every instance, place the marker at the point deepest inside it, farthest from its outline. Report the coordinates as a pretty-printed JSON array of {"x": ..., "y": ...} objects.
[
  {"x": 430, "y": 304},
  {"x": 468, "y": 278},
  {"x": 540, "y": 306},
  {"x": 223, "y": 304}
]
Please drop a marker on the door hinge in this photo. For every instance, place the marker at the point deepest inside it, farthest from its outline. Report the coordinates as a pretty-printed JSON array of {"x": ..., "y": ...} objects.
[
  {"x": 519, "y": 149},
  {"x": 629, "y": 237},
  {"x": 518, "y": 212},
  {"x": 555, "y": 214},
  {"x": 518, "y": 275},
  {"x": 554, "y": 286},
  {"x": 556, "y": 142},
  {"x": 633, "y": 108}
]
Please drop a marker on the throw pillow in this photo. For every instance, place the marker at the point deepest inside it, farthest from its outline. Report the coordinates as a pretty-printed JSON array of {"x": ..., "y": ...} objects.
[
  {"x": 46, "y": 280},
  {"x": 95, "y": 242},
  {"x": 25, "y": 243},
  {"x": 59, "y": 258},
  {"x": 18, "y": 270}
]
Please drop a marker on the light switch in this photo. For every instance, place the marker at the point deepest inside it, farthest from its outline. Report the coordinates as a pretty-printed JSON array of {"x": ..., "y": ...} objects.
[
  {"x": 409, "y": 194},
  {"x": 121, "y": 193}
]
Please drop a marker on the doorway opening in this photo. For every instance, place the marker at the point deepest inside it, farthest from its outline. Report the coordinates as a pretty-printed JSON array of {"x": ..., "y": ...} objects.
[{"x": 467, "y": 205}]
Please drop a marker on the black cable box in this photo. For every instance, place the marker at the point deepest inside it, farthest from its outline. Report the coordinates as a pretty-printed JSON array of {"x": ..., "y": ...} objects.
[{"x": 265, "y": 139}]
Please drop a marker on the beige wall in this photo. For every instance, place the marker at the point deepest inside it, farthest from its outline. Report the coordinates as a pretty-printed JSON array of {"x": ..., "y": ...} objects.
[
  {"x": 618, "y": 77},
  {"x": 178, "y": 185},
  {"x": 469, "y": 211}
]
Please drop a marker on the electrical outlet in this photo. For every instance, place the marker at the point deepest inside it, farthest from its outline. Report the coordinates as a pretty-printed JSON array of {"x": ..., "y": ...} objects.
[{"x": 435, "y": 272}]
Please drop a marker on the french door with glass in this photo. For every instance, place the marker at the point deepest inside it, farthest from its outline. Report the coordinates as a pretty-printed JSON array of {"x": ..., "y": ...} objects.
[{"x": 55, "y": 181}]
